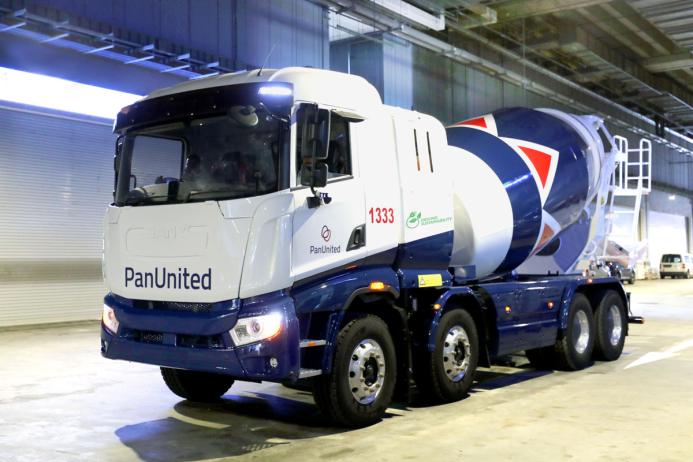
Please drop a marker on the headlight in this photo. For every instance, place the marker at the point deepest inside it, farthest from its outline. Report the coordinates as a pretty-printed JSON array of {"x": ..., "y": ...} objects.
[
  {"x": 109, "y": 319},
  {"x": 249, "y": 330}
]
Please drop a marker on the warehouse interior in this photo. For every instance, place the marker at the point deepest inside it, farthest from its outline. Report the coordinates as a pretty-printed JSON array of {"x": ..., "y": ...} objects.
[{"x": 67, "y": 67}]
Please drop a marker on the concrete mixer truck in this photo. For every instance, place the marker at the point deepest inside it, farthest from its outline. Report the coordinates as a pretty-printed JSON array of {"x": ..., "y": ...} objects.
[{"x": 287, "y": 226}]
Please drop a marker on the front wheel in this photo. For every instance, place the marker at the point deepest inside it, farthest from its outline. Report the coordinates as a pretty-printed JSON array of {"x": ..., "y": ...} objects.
[
  {"x": 195, "y": 385},
  {"x": 359, "y": 389},
  {"x": 574, "y": 346},
  {"x": 447, "y": 373}
]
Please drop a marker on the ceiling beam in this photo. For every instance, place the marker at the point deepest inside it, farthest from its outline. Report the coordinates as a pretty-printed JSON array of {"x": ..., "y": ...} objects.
[
  {"x": 577, "y": 40},
  {"x": 518, "y": 9},
  {"x": 666, "y": 63}
]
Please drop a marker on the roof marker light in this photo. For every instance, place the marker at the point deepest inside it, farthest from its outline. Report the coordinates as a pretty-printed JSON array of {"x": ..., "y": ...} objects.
[
  {"x": 274, "y": 90},
  {"x": 62, "y": 95}
]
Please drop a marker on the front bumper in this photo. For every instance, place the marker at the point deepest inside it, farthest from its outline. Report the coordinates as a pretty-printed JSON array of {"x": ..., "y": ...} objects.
[{"x": 200, "y": 341}]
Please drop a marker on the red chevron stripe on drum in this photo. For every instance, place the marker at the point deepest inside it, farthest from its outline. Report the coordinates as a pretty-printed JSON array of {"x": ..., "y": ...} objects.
[
  {"x": 477, "y": 122},
  {"x": 541, "y": 162}
]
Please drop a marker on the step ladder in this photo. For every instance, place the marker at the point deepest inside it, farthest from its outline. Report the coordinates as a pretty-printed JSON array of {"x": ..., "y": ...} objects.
[{"x": 630, "y": 181}]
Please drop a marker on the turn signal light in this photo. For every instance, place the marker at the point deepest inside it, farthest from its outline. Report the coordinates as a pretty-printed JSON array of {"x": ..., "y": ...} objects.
[{"x": 377, "y": 285}]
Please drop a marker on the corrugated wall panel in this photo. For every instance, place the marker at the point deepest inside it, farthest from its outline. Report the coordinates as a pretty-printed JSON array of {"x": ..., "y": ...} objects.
[
  {"x": 57, "y": 180},
  {"x": 397, "y": 72},
  {"x": 432, "y": 89},
  {"x": 366, "y": 60}
]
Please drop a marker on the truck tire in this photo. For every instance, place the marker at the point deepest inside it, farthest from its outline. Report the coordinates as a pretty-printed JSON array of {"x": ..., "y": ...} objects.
[
  {"x": 196, "y": 386},
  {"x": 359, "y": 389},
  {"x": 610, "y": 320},
  {"x": 575, "y": 345},
  {"x": 446, "y": 374}
]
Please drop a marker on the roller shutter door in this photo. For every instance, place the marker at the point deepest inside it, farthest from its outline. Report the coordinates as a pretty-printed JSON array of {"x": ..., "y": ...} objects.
[
  {"x": 666, "y": 234},
  {"x": 55, "y": 184}
]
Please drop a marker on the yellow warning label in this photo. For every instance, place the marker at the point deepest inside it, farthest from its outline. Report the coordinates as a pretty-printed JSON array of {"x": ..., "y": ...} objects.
[{"x": 430, "y": 280}]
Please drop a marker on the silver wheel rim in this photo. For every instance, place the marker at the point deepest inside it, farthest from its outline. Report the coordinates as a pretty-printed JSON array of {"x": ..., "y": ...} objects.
[
  {"x": 581, "y": 327},
  {"x": 615, "y": 324},
  {"x": 456, "y": 353},
  {"x": 366, "y": 371}
]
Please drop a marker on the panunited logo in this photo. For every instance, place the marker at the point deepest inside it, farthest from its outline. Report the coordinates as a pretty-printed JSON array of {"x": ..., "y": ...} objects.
[{"x": 326, "y": 233}]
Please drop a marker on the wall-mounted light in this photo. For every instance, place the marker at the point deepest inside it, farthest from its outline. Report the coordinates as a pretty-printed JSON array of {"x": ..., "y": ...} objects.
[{"x": 63, "y": 95}]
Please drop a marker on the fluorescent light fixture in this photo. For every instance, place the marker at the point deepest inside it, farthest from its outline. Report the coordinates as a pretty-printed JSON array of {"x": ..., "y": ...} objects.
[
  {"x": 274, "y": 90},
  {"x": 62, "y": 95}
]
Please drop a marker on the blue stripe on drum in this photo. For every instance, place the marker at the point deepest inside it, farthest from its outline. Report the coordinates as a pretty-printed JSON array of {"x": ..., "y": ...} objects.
[{"x": 519, "y": 184}]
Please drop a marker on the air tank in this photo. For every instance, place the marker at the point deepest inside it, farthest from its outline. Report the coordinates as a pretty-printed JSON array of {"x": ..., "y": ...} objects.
[{"x": 521, "y": 176}]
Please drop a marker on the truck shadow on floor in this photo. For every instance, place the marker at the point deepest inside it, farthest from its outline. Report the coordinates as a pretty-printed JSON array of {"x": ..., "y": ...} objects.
[
  {"x": 251, "y": 421},
  {"x": 485, "y": 379},
  {"x": 238, "y": 424}
]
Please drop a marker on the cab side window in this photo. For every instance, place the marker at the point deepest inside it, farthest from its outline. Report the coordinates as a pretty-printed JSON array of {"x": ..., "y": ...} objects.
[{"x": 339, "y": 149}]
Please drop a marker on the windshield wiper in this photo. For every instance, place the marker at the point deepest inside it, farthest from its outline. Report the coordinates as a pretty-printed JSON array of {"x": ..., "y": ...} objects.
[
  {"x": 137, "y": 200},
  {"x": 211, "y": 191}
]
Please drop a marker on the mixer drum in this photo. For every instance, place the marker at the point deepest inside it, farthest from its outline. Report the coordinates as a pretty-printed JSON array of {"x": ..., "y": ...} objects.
[{"x": 524, "y": 176}]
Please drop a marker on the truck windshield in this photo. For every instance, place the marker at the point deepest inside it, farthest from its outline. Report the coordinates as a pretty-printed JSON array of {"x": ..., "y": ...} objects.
[{"x": 220, "y": 157}]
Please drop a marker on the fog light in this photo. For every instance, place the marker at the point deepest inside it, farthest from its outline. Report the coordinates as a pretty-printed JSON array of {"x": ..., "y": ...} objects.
[
  {"x": 109, "y": 320},
  {"x": 256, "y": 328}
]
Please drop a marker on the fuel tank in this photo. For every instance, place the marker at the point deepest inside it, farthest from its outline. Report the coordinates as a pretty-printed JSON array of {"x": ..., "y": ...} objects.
[{"x": 522, "y": 177}]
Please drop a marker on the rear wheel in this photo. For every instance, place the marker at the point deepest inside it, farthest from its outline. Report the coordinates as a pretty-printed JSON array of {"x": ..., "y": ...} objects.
[
  {"x": 359, "y": 389},
  {"x": 610, "y": 320},
  {"x": 574, "y": 345},
  {"x": 196, "y": 386},
  {"x": 447, "y": 373}
]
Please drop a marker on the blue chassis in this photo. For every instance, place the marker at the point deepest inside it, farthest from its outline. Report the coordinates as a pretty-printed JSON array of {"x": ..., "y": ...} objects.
[{"x": 528, "y": 324}]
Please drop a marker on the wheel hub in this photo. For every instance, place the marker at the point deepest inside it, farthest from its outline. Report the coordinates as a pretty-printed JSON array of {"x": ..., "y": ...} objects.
[
  {"x": 456, "y": 353},
  {"x": 581, "y": 332},
  {"x": 366, "y": 371},
  {"x": 615, "y": 325}
]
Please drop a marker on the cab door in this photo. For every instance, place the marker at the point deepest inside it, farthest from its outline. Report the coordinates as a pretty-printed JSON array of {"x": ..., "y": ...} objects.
[{"x": 331, "y": 235}]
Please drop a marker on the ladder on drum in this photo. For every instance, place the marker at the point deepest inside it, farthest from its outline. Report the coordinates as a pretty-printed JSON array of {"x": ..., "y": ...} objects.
[{"x": 631, "y": 179}]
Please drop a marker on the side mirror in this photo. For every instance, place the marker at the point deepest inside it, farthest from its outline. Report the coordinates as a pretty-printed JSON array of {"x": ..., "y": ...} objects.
[
  {"x": 314, "y": 176},
  {"x": 116, "y": 162},
  {"x": 118, "y": 150},
  {"x": 315, "y": 137}
]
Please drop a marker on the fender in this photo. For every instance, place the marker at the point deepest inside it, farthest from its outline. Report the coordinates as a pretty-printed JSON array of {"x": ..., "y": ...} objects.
[
  {"x": 444, "y": 308},
  {"x": 335, "y": 293}
]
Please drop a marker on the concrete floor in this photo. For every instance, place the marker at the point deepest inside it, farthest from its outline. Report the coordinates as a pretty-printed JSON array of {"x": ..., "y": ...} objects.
[{"x": 59, "y": 400}]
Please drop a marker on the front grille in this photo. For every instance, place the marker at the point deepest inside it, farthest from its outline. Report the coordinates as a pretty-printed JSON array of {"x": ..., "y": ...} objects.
[
  {"x": 182, "y": 340},
  {"x": 200, "y": 341},
  {"x": 151, "y": 337},
  {"x": 181, "y": 307}
]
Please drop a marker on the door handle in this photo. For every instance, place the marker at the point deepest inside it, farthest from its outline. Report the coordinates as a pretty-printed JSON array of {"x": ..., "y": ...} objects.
[{"x": 357, "y": 238}]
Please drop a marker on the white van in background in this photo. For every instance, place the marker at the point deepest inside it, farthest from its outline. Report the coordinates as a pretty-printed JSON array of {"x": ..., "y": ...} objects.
[{"x": 676, "y": 265}]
